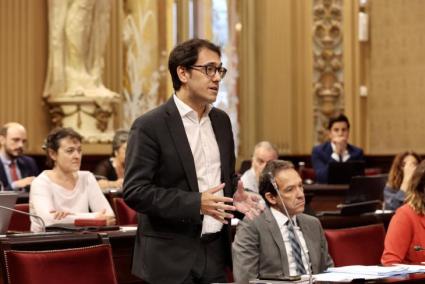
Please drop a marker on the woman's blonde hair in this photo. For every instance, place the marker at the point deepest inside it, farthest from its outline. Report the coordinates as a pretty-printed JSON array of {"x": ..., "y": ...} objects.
[{"x": 415, "y": 195}]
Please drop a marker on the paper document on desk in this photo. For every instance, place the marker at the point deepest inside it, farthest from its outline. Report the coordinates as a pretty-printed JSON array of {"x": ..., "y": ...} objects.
[
  {"x": 304, "y": 280},
  {"x": 342, "y": 277},
  {"x": 412, "y": 268},
  {"x": 374, "y": 270},
  {"x": 128, "y": 228}
]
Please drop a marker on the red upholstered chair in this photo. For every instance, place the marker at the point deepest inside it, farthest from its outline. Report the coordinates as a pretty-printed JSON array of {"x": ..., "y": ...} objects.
[
  {"x": 20, "y": 222},
  {"x": 372, "y": 171},
  {"x": 308, "y": 173},
  {"x": 85, "y": 265},
  {"x": 229, "y": 274},
  {"x": 124, "y": 214},
  {"x": 359, "y": 245}
]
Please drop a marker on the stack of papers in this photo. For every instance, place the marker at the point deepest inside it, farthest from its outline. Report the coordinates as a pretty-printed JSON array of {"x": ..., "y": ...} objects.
[
  {"x": 349, "y": 273},
  {"x": 374, "y": 270},
  {"x": 305, "y": 279},
  {"x": 411, "y": 268}
]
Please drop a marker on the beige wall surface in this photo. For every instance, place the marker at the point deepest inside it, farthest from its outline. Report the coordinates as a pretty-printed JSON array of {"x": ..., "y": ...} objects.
[
  {"x": 23, "y": 53},
  {"x": 396, "y": 102},
  {"x": 276, "y": 88}
]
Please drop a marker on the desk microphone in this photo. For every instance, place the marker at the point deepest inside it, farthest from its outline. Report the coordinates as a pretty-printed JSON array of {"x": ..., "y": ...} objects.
[
  {"x": 43, "y": 227},
  {"x": 291, "y": 223},
  {"x": 418, "y": 248}
]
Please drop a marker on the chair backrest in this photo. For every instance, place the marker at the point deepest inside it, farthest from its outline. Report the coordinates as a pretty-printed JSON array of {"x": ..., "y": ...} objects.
[
  {"x": 20, "y": 222},
  {"x": 92, "y": 265},
  {"x": 372, "y": 171},
  {"x": 124, "y": 214},
  {"x": 356, "y": 246},
  {"x": 308, "y": 173}
]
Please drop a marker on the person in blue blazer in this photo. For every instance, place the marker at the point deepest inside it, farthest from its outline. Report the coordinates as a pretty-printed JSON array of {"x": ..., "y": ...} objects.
[{"x": 337, "y": 149}]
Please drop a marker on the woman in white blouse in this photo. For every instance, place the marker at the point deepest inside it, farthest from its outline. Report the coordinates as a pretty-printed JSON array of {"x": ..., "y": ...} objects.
[{"x": 65, "y": 193}]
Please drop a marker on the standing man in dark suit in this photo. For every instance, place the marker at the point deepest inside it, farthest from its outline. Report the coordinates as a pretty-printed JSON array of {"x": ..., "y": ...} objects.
[
  {"x": 180, "y": 177},
  {"x": 17, "y": 171},
  {"x": 336, "y": 150}
]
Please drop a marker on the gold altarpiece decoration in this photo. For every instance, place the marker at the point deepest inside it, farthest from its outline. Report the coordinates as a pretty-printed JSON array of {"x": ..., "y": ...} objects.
[{"x": 328, "y": 83}]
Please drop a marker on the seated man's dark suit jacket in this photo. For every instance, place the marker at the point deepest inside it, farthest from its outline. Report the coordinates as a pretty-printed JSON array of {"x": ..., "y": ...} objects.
[
  {"x": 161, "y": 185},
  {"x": 27, "y": 167},
  {"x": 259, "y": 249},
  {"x": 321, "y": 158}
]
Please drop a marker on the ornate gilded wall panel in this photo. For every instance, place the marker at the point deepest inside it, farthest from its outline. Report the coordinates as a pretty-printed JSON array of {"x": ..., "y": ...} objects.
[{"x": 328, "y": 82}]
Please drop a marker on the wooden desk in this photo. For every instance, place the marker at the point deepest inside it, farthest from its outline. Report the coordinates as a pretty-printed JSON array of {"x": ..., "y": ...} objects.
[
  {"x": 325, "y": 197},
  {"x": 121, "y": 242},
  {"x": 339, "y": 221}
]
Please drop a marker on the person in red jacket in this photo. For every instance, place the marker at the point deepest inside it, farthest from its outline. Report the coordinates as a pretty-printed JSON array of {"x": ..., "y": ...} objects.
[{"x": 405, "y": 239}]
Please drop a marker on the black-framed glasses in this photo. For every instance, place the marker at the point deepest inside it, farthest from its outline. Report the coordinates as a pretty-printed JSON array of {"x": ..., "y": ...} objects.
[{"x": 210, "y": 70}]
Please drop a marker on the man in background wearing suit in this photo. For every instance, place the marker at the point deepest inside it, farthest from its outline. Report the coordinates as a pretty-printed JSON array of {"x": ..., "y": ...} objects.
[
  {"x": 264, "y": 151},
  {"x": 336, "y": 150},
  {"x": 17, "y": 171},
  {"x": 264, "y": 247},
  {"x": 180, "y": 176}
]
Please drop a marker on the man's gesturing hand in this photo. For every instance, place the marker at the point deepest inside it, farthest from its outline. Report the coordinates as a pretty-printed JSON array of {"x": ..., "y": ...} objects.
[
  {"x": 248, "y": 203},
  {"x": 215, "y": 206}
]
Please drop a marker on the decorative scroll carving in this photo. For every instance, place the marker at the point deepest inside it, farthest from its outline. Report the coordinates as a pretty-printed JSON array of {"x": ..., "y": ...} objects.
[
  {"x": 328, "y": 70},
  {"x": 92, "y": 121}
]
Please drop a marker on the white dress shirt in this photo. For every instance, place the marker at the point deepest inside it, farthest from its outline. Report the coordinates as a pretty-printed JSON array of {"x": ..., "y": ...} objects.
[
  {"x": 206, "y": 155},
  {"x": 345, "y": 156},
  {"x": 281, "y": 220},
  {"x": 249, "y": 180}
]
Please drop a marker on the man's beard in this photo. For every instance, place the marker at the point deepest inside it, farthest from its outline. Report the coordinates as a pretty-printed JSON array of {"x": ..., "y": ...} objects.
[{"x": 14, "y": 154}]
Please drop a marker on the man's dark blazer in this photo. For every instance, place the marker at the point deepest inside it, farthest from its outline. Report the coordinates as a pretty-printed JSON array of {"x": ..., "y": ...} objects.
[
  {"x": 321, "y": 158},
  {"x": 161, "y": 185},
  {"x": 27, "y": 167}
]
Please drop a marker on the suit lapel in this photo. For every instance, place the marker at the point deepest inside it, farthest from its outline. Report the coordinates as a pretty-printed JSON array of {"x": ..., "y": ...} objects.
[
  {"x": 309, "y": 240},
  {"x": 328, "y": 149},
  {"x": 22, "y": 167},
  {"x": 277, "y": 236},
  {"x": 178, "y": 134}
]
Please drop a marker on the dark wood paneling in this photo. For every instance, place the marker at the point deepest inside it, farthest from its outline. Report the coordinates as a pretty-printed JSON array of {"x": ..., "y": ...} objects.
[{"x": 88, "y": 164}]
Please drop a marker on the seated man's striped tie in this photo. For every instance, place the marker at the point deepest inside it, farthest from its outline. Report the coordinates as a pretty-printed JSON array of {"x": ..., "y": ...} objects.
[{"x": 296, "y": 249}]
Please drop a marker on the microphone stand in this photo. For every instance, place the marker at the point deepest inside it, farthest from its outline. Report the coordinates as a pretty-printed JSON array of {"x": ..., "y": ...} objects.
[
  {"x": 43, "y": 228},
  {"x": 291, "y": 223}
]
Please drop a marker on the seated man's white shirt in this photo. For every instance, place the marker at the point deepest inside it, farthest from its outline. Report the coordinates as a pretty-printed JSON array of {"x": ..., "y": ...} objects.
[
  {"x": 345, "y": 156},
  {"x": 281, "y": 220},
  {"x": 249, "y": 180}
]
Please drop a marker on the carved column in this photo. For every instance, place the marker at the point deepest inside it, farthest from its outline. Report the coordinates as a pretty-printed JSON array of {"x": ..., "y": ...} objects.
[{"x": 328, "y": 82}]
